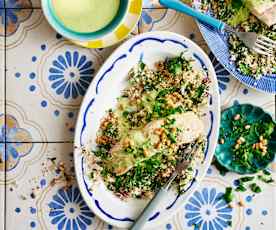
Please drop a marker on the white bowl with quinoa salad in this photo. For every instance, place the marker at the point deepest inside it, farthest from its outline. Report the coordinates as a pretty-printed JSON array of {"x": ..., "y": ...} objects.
[
  {"x": 252, "y": 69},
  {"x": 155, "y": 94}
]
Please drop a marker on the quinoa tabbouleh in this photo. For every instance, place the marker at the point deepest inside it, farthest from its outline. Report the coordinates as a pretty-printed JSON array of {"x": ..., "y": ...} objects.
[
  {"x": 236, "y": 14},
  {"x": 139, "y": 142}
]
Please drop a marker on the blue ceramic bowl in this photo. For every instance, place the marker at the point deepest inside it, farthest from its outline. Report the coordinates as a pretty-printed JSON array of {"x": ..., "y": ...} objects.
[
  {"x": 224, "y": 153},
  {"x": 219, "y": 45},
  {"x": 53, "y": 20}
]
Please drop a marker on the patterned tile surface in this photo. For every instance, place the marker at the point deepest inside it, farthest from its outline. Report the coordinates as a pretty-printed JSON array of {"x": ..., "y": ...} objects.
[
  {"x": 2, "y": 130},
  {"x": 151, "y": 4},
  {"x": 19, "y": 4},
  {"x": 54, "y": 73},
  {"x": 170, "y": 20},
  {"x": 47, "y": 77}
]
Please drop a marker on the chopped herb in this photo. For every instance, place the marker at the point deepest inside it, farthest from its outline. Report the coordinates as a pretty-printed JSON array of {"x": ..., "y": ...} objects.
[
  {"x": 265, "y": 172},
  {"x": 172, "y": 137},
  {"x": 142, "y": 65},
  {"x": 255, "y": 188},
  {"x": 228, "y": 195},
  {"x": 246, "y": 179},
  {"x": 240, "y": 188},
  {"x": 245, "y": 69},
  {"x": 230, "y": 223},
  {"x": 125, "y": 114},
  {"x": 166, "y": 91},
  {"x": 237, "y": 4},
  {"x": 265, "y": 179},
  {"x": 174, "y": 65}
]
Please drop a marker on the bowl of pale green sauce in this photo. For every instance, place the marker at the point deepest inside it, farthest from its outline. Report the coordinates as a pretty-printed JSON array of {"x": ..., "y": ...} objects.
[{"x": 85, "y": 20}]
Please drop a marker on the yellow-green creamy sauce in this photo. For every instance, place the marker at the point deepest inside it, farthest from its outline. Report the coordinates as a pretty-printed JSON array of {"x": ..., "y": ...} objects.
[{"x": 85, "y": 16}]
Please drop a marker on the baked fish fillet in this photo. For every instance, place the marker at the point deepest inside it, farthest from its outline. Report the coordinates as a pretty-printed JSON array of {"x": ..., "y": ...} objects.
[
  {"x": 188, "y": 125},
  {"x": 265, "y": 10}
]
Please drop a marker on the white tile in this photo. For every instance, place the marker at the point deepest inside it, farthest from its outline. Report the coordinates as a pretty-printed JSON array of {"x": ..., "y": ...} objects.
[
  {"x": 242, "y": 94},
  {"x": 38, "y": 66},
  {"x": 170, "y": 20}
]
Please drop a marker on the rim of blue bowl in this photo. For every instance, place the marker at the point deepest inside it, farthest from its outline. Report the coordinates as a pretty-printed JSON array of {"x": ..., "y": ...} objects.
[{"x": 73, "y": 35}]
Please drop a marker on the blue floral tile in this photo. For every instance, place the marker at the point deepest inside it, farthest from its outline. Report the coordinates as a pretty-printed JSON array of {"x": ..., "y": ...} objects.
[
  {"x": 69, "y": 211},
  {"x": 70, "y": 74},
  {"x": 207, "y": 209},
  {"x": 51, "y": 79}
]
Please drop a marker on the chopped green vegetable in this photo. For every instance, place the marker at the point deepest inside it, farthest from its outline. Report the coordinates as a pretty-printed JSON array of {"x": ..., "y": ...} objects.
[
  {"x": 255, "y": 188},
  {"x": 246, "y": 179},
  {"x": 178, "y": 64},
  {"x": 228, "y": 195},
  {"x": 265, "y": 179},
  {"x": 230, "y": 223},
  {"x": 240, "y": 16},
  {"x": 265, "y": 172},
  {"x": 240, "y": 188},
  {"x": 142, "y": 65}
]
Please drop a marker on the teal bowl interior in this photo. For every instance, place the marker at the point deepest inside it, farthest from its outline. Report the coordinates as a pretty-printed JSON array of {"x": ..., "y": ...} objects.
[
  {"x": 224, "y": 153},
  {"x": 64, "y": 31}
]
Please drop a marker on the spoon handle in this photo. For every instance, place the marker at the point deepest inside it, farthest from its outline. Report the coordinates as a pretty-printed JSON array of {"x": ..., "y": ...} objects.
[
  {"x": 149, "y": 210},
  {"x": 182, "y": 7}
]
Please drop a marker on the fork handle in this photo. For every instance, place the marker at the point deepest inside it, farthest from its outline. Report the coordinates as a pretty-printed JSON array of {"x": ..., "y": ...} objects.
[
  {"x": 182, "y": 7},
  {"x": 149, "y": 209}
]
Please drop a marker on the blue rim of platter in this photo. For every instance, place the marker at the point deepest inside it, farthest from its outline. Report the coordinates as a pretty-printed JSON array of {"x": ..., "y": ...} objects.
[
  {"x": 89, "y": 103},
  {"x": 218, "y": 44}
]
